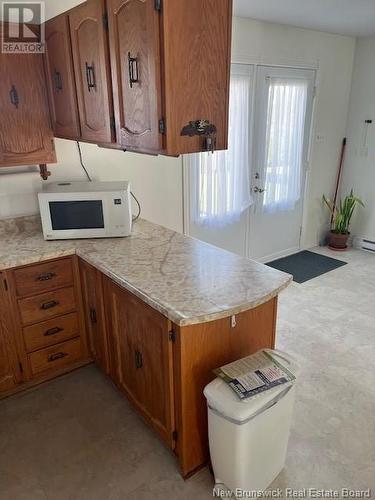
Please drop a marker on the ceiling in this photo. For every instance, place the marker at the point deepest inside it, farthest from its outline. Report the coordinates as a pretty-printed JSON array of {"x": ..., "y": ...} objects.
[{"x": 346, "y": 17}]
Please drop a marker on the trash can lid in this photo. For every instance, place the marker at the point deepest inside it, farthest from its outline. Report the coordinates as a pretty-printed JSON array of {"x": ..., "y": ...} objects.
[{"x": 223, "y": 399}]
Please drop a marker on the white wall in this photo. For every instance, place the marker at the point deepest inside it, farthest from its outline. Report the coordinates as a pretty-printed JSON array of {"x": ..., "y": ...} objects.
[
  {"x": 359, "y": 169},
  {"x": 157, "y": 181}
]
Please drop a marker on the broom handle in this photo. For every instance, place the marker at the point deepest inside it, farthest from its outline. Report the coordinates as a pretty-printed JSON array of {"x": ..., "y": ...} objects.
[{"x": 342, "y": 156}]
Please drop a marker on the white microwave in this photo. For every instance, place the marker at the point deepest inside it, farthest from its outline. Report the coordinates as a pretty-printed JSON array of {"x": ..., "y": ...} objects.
[{"x": 85, "y": 210}]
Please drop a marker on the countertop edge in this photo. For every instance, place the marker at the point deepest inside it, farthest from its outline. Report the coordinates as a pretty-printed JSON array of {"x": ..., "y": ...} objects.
[{"x": 178, "y": 319}]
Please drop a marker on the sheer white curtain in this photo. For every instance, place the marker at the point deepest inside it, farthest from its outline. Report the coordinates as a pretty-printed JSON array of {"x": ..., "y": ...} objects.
[
  {"x": 221, "y": 181},
  {"x": 287, "y": 100}
]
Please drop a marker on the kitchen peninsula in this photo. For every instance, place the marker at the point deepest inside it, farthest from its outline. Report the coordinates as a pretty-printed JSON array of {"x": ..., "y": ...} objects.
[{"x": 156, "y": 311}]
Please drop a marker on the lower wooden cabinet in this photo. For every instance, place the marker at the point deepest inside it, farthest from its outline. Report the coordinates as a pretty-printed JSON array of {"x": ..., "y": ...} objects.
[
  {"x": 42, "y": 335},
  {"x": 8, "y": 361},
  {"x": 162, "y": 368},
  {"x": 140, "y": 357},
  {"x": 92, "y": 293}
]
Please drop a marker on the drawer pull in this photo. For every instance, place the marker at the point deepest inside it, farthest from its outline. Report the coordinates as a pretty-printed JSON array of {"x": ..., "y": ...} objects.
[
  {"x": 56, "y": 356},
  {"x": 46, "y": 277},
  {"x": 53, "y": 331},
  {"x": 49, "y": 305}
]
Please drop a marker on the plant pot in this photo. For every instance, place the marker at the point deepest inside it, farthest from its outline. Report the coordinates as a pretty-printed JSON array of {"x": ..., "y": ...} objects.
[{"x": 338, "y": 241}]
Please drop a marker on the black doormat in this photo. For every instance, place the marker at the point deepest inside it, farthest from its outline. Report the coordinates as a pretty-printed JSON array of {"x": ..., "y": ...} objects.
[{"x": 306, "y": 265}]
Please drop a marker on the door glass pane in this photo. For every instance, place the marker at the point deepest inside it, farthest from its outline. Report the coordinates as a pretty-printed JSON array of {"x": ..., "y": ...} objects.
[{"x": 284, "y": 144}]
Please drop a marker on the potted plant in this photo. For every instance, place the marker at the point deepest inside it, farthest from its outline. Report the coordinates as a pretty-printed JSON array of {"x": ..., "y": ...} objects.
[{"x": 341, "y": 216}]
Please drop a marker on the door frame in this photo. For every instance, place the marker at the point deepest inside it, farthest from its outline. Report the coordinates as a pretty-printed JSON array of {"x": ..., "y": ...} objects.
[{"x": 186, "y": 178}]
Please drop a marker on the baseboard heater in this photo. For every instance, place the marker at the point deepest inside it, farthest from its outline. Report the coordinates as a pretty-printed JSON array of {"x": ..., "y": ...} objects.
[{"x": 364, "y": 244}]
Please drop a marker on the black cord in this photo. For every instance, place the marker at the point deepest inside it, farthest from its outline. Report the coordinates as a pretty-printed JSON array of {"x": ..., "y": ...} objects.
[
  {"x": 81, "y": 161},
  {"x": 135, "y": 217}
]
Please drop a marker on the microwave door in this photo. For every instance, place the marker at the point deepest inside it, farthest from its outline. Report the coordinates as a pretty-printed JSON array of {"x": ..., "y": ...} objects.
[{"x": 76, "y": 215}]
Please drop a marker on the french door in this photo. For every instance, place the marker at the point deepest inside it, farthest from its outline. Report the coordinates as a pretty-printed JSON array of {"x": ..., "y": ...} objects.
[
  {"x": 280, "y": 158},
  {"x": 277, "y": 102}
]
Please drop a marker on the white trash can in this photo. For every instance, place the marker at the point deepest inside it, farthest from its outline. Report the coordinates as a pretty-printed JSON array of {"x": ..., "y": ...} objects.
[{"x": 248, "y": 439}]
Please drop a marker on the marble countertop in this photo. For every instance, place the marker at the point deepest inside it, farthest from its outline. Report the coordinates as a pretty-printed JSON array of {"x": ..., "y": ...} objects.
[{"x": 185, "y": 279}]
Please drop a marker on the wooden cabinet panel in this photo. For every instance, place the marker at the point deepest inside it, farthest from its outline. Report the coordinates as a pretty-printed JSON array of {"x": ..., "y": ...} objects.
[
  {"x": 92, "y": 291},
  {"x": 53, "y": 358},
  {"x": 42, "y": 277},
  {"x": 135, "y": 56},
  {"x": 61, "y": 82},
  {"x": 51, "y": 332},
  {"x": 9, "y": 363},
  {"x": 199, "y": 349},
  {"x": 197, "y": 44},
  {"x": 140, "y": 355},
  {"x": 47, "y": 305},
  {"x": 25, "y": 132},
  {"x": 91, "y": 66}
]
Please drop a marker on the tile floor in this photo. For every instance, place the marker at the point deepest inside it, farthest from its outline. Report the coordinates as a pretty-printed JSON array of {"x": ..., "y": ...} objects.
[{"x": 76, "y": 438}]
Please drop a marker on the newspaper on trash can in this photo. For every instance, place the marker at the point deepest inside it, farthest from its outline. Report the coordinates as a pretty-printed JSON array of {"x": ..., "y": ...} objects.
[{"x": 255, "y": 374}]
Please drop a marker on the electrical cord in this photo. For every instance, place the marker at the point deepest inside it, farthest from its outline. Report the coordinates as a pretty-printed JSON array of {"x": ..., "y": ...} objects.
[
  {"x": 81, "y": 161},
  {"x": 135, "y": 217}
]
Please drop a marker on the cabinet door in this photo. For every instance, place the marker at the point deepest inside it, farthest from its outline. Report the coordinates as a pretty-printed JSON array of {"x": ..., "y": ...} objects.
[
  {"x": 197, "y": 44},
  {"x": 135, "y": 57},
  {"x": 10, "y": 374},
  {"x": 91, "y": 282},
  {"x": 62, "y": 92},
  {"x": 91, "y": 66},
  {"x": 140, "y": 354},
  {"x": 8, "y": 361},
  {"x": 25, "y": 133}
]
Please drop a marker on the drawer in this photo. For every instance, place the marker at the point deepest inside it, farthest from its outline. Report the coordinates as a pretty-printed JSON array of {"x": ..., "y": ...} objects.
[
  {"x": 42, "y": 277},
  {"x": 53, "y": 358},
  {"x": 46, "y": 305},
  {"x": 51, "y": 332}
]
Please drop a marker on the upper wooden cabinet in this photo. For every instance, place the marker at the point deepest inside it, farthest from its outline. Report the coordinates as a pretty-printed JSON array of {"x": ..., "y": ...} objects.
[
  {"x": 196, "y": 50},
  {"x": 92, "y": 71},
  {"x": 170, "y": 73},
  {"x": 135, "y": 60},
  {"x": 62, "y": 89},
  {"x": 156, "y": 82},
  {"x": 26, "y": 137}
]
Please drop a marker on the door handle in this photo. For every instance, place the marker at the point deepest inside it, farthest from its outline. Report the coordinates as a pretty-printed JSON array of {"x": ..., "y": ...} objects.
[
  {"x": 58, "y": 80},
  {"x": 14, "y": 98},
  {"x": 138, "y": 359},
  {"x": 133, "y": 70},
  {"x": 90, "y": 76},
  {"x": 93, "y": 317}
]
